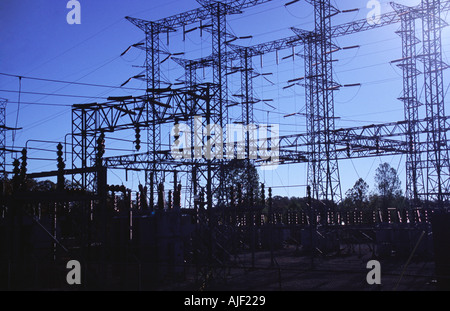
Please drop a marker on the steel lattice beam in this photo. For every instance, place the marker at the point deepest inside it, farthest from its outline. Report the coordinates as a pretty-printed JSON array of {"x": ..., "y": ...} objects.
[
  {"x": 367, "y": 141},
  {"x": 356, "y": 142},
  {"x": 345, "y": 29},
  {"x": 202, "y": 14}
]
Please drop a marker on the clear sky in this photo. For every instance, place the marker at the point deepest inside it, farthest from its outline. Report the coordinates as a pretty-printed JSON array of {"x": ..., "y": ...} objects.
[{"x": 36, "y": 41}]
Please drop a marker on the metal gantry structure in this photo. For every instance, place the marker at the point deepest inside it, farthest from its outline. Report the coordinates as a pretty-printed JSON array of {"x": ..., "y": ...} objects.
[{"x": 421, "y": 136}]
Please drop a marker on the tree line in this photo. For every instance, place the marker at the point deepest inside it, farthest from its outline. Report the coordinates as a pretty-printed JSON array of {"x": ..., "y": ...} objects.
[{"x": 386, "y": 195}]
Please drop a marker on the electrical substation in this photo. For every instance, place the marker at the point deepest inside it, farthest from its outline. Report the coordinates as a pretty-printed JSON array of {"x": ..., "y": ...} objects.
[{"x": 186, "y": 226}]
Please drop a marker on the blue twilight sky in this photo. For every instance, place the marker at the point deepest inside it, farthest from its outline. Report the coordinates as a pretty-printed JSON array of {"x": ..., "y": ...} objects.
[{"x": 36, "y": 41}]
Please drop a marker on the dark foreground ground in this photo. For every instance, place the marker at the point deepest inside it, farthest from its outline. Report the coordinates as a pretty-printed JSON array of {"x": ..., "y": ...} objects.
[{"x": 292, "y": 271}]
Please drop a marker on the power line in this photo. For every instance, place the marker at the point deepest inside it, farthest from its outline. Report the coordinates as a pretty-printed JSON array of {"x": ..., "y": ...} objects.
[
  {"x": 71, "y": 82},
  {"x": 42, "y": 104},
  {"x": 57, "y": 95},
  {"x": 290, "y": 186}
]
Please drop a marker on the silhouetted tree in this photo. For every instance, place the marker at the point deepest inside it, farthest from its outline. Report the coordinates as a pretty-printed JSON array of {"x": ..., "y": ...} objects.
[
  {"x": 358, "y": 196},
  {"x": 244, "y": 173},
  {"x": 388, "y": 192},
  {"x": 387, "y": 181}
]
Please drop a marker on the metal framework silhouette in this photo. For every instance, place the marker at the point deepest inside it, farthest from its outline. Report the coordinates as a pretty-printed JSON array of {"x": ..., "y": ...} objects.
[{"x": 421, "y": 136}]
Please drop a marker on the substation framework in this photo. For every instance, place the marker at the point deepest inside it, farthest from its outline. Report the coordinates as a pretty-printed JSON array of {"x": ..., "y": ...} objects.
[
  {"x": 323, "y": 145},
  {"x": 321, "y": 148}
]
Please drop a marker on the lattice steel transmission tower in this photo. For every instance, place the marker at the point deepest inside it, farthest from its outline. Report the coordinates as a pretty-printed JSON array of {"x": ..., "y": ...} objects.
[
  {"x": 437, "y": 162},
  {"x": 415, "y": 185},
  {"x": 3, "y": 130},
  {"x": 323, "y": 169},
  {"x": 152, "y": 31},
  {"x": 218, "y": 12}
]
